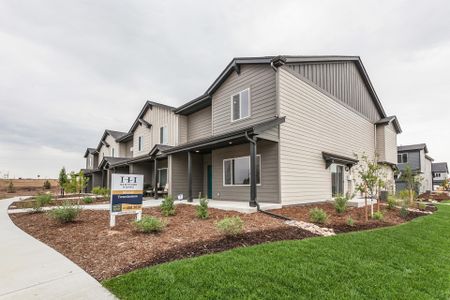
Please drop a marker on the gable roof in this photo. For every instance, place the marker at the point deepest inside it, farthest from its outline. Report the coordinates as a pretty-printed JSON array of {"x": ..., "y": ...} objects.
[
  {"x": 439, "y": 167},
  {"x": 108, "y": 160},
  {"x": 148, "y": 105},
  {"x": 90, "y": 151},
  {"x": 115, "y": 134},
  {"x": 276, "y": 61},
  {"x": 414, "y": 147},
  {"x": 388, "y": 120}
]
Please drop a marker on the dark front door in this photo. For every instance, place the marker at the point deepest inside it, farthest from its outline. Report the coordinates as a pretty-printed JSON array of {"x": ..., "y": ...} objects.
[{"x": 209, "y": 182}]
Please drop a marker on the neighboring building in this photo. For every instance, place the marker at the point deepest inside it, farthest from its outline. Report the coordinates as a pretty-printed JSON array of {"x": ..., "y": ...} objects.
[
  {"x": 276, "y": 129},
  {"x": 440, "y": 173},
  {"x": 415, "y": 156}
]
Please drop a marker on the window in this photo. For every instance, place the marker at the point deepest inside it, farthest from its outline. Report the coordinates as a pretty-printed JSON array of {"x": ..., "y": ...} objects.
[
  {"x": 236, "y": 171},
  {"x": 140, "y": 144},
  {"x": 337, "y": 180},
  {"x": 240, "y": 105},
  {"x": 163, "y": 136},
  {"x": 162, "y": 175},
  {"x": 402, "y": 158},
  {"x": 112, "y": 152}
]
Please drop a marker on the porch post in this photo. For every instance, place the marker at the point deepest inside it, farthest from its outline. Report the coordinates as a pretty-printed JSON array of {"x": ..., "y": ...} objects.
[
  {"x": 155, "y": 179},
  {"x": 253, "y": 173},
  {"x": 189, "y": 177}
]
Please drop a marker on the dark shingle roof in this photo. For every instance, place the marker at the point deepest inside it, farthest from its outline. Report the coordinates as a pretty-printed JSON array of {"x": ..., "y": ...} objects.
[
  {"x": 413, "y": 147},
  {"x": 387, "y": 120},
  {"x": 439, "y": 167},
  {"x": 90, "y": 151},
  {"x": 116, "y": 134}
]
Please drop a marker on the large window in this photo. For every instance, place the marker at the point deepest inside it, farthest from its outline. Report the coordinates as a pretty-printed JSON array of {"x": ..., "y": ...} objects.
[
  {"x": 236, "y": 171},
  {"x": 140, "y": 143},
  {"x": 112, "y": 152},
  {"x": 337, "y": 180},
  {"x": 402, "y": 158},
  {"x": 162, "y": 175},
  {"x": 163, "y": 136},
  {"x": 240, "y": 105}
]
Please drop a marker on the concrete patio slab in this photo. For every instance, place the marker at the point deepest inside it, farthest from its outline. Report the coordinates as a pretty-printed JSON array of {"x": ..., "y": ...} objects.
[
  {"x": 29, "y": 269},
  {"x": 359, "y": 202},
  {"x": 239, "y": 206}
]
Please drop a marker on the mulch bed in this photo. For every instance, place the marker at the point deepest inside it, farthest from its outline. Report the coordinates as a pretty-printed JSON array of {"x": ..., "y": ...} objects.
[
  {"x": 436, "y": 196},
  {"x": 105, "y": 252},
  {"x": 338, "y": 222},
  {"x": 28, "y": 203}
]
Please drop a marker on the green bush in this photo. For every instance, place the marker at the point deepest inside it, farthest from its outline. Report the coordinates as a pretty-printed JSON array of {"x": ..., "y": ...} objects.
[
  {"x": 65, "y": 213},
  {"x": 149, "y": 224},
  {"x": 340, "y": 203},
  {"x": 404, "y": 212},
  {"x": 202, "y": 209},
  {"x": 391, "y": 202},
  {"x": 10, "y": 188},
  {"x": 404, "y": 195},
  {"x": 88, "y": 200},
  {"x": 41, "y": 201},
  {"x": 350, "y": 221},
  {"x": 378, "y": 215},
  {"x": 230, "y": 226},
  {"x": 100, "y": 191},
  {"x": 47, "y": 185},
  {"x": 168, "y": 207},
  {"x": 421, "y": 206},
  {"x": 318, "y": 215}
]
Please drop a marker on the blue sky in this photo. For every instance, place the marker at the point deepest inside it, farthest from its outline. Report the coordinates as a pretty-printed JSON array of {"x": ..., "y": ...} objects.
[{"x": 70, "y": 69}]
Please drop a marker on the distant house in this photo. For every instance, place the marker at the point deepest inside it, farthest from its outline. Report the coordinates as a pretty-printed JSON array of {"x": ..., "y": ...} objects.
[
  {"x": 440, "y": 173},
  {"x": 416, "y": 156}
]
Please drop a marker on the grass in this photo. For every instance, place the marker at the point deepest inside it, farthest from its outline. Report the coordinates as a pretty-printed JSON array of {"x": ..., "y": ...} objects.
[{"x": 409, "y": 261}]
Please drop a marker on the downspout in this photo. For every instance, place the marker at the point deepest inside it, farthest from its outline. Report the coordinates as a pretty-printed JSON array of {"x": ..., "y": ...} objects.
[{"x": 258, "y": 208}]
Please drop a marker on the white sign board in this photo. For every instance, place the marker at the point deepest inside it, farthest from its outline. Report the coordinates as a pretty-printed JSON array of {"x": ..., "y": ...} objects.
[{"x": 126, "y": 195}]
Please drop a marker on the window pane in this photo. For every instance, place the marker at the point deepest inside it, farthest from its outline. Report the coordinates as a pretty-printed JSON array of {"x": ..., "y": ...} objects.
[
  {"x": 405, "y": 158},
  {"x": 161, "y": 133},
  {"x": 399, "y": 159},
  {"x": 227, "y": 171},
  {"x": 337, "y": 180},
  {"x": 241, "y": 170},
  {"x": 245, "y": 107},
  {"x": 258, "y": 169},
  {"x": 236, "y": 107},
  {"x": 162, "y": 177}
]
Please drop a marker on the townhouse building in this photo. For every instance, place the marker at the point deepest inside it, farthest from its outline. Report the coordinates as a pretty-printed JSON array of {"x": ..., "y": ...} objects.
[
  {"x": 279, "y": 129},
  {"x": 440, "y": 174}
]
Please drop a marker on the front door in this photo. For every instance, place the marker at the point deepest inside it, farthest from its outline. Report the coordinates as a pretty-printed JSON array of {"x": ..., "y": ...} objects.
[
  {"x": 337, "y": 180},
  {"x": 209, "y": 182}
]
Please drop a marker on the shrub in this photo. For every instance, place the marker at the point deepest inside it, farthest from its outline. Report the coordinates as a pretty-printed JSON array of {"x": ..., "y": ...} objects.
[
  {"x": 391, "y": 202},
  {"x": 88, "y": 200},
  {"x": 149, "y": 224},
  {"x": 100, "y": 191},
  {"x": 65, "y": 213},
  {"x": 47, "y": 185},
  {"x": 340, "y": 204},
  {"x": 167, "y": 207},
  {"x": 378, "y": 215},
  {"x": 421, "y": 206},
  {"x": 41, "y": 201},
  {"x": 202, "y": 209},
  {"x": 230, "y": 226},
  {"x": 404, "y": 212},
  {"x": 10, "y": 188},
  {"x": 350, "y": 221},
  {"x": 318, "y": 215},
  {"x": 404, "y": 195}
]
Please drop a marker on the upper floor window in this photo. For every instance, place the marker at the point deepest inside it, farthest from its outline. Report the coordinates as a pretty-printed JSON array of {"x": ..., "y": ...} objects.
[
  {"x": 236, "y": 171},
  {"x": 163, "y": 136},
  {"x": 140, "y": 143},
  {"x": 113, "y": 152},
  {"x": 402, "y": 158},
  {"x": 240, "y": 105}
]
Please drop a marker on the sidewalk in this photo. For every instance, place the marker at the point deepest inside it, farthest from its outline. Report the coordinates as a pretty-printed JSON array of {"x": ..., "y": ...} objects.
[{"x": 30, "y": 269}]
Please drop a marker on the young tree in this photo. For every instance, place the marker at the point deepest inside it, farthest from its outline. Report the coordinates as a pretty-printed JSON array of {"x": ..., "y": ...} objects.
[
  {"x": 412, "y": 180},
  {"x": 445, "y": 184},
  {"x": 76, "y": 183},
  {"x": 372, "y": 180},
  {"x": 62, "y": 179}
]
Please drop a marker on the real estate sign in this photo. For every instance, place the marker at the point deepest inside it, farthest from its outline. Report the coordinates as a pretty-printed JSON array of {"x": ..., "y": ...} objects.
[{"x": 126, "y": 195}]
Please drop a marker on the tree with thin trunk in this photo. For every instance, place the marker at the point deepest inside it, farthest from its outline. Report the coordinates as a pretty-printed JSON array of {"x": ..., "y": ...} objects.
[
  {"x": 412, "y": 180},
  {"x": 62, "y": 180}
]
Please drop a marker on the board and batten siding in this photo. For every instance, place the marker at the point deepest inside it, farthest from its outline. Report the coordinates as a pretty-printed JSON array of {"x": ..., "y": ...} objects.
[
  {"x": 199, "y": 124},
  {"x": 414, "y": 160},
  {"x": 342, "y": 80},
  {"x": 315, "y": 122},
  {"x": 260, "y": 79},
  {"x": 106, "y": 151},
  {"x": 266, "y": 192},
  {"x": 158, "y": 117}
]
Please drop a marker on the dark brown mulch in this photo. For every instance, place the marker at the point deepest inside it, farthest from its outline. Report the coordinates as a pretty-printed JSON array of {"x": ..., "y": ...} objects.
[
  {"x": 437, "y": 196},
  {"x": 105, "y": 252},
  {"x": 338, "y": 222},
  {"x": 29, "y": 203}
]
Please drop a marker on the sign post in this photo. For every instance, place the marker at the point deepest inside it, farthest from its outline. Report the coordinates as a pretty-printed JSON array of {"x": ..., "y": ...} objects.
[{"x": 126, "y": 196}]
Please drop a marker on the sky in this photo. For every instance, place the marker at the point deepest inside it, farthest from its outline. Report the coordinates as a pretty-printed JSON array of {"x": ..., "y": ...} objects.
[{"x": 70, "y": 69}]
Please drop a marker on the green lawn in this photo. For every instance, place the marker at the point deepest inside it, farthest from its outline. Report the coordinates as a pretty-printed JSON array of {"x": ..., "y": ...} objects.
[{"x": 410, "y": 261}]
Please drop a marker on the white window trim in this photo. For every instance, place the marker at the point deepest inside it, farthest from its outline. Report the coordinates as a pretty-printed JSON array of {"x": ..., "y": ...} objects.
[
  {"x": 240, "y": 104},
  {"x": 161, "y": 136},
  {"x": 231, "y": 158},
  {"x": 343, "y": 181},
  {"x": 401, "y": 155},
  {"x": 140, "y": 143}
]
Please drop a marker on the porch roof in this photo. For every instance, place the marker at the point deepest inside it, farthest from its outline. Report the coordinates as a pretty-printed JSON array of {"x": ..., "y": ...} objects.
[
  {"x": 334, "y": 158},
  {"x": 158, "y": 148},
  {"x": 230, "y": 138}
]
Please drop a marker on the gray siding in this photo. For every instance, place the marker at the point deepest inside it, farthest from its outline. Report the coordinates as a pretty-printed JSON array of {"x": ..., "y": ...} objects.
[
  {"x": 413, "y": 161},
  {"x": 199, "y": 124},
  {"x": 267, "y": 191},
  {"x": 179, "y": 175},
  {"x": 314, "y": 123},
  {"x": 261, "y": 81},
  {"x": 343, "y": 81}
]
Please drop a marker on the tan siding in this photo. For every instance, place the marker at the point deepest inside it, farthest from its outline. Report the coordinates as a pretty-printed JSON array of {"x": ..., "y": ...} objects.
[
  {"x": 179, "y": 175},
  {"x": 315, "y": 123},
  {"x": 267, "y": 192},
  {"x": 390, "y": 144},
  {"x": 261, "y": 81},
  {"x": 106, "y": 151},
  {"x": 182, "y": 129},
  {"x": 199, "y": 124},
  {"x": 381, "y": 147}
]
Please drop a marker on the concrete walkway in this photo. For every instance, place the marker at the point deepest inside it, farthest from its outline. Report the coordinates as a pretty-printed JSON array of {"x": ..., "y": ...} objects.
[{"x": 30, "y": 269}]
